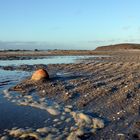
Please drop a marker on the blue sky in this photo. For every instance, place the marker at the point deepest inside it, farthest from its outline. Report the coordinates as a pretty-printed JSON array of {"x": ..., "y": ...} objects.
[{"x": 68, "y": 24}]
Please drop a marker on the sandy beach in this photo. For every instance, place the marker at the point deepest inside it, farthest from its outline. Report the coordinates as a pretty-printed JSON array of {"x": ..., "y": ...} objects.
[{"x": 108, "y": 87}]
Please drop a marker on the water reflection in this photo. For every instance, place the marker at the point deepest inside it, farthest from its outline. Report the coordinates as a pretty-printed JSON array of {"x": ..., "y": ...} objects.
[{"x": 47, "y": 60}]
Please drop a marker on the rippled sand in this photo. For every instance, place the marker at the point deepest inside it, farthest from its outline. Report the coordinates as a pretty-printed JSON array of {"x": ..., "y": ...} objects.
[{"x": 106, "y": 87}]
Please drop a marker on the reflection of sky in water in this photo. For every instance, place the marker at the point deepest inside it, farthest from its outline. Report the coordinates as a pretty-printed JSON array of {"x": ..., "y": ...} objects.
[
  {"x": 12, "y": 77},
  {"x": 48, "y": 60},
  {"x": 12, "y": 115}
]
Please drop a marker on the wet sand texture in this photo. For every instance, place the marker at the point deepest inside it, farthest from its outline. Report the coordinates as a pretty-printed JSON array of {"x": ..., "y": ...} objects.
[{"x": 107, "y": 87}]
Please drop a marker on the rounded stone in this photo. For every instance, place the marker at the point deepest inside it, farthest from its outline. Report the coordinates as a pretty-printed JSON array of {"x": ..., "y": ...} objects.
[{"x": 39, "y": 75}]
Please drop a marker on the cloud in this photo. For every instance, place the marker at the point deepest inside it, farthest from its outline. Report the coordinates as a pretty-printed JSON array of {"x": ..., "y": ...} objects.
[
  {"x": 24, "y": 45},
  {"x": 132, "y": 40},
  {"x": 103, "y": 41},
  {"x": 114, "y": 41},
  {"x": 31, "y": 45}
]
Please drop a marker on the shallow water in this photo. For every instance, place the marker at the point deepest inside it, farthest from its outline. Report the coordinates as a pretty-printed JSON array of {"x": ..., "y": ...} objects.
[
  {"x": 47, "y": 60},
  {"x": 12, "y": 115}
]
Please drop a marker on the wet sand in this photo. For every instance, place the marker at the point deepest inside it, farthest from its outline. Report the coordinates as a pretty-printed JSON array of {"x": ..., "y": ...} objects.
[{"x": 108, "y": 87}]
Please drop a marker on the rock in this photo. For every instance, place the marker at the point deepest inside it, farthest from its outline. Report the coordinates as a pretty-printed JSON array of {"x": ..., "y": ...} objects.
[{"x": 39, "y": 75}]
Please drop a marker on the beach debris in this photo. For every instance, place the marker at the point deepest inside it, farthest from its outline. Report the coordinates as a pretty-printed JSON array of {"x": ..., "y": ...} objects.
[{"x": 39, "y": 75}]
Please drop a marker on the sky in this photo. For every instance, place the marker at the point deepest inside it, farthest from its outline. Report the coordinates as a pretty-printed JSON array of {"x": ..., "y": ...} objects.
[{"x": 68, "y": 24}]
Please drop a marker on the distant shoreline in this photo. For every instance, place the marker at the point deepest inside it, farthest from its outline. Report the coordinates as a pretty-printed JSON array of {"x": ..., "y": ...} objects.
[{"x": 118, "y": 49}]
